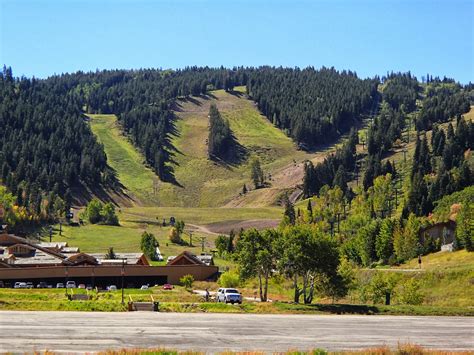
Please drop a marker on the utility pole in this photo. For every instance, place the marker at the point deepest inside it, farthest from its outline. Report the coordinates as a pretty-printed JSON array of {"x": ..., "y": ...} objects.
[
  {"x": 190, "y": 239},
  {"x": 155, "y": 186},
  {"x": 203, "y": 239}
]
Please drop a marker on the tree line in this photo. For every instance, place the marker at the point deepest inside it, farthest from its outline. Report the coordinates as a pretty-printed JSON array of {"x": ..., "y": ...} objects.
[{"x": 46, "y": 146}]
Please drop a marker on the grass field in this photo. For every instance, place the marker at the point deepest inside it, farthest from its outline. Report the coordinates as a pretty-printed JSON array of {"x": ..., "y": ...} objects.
[
  {"x": 446, "y": 278},
  {"x": 204, "y": 215},
  {"x": 124, "y": 158},
  {"x": 135, "y": 220},
  {"x": 181, "y": 300}
]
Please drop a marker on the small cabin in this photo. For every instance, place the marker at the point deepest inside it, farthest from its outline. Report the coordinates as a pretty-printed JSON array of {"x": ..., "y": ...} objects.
[{"x": 443, "y": 231}]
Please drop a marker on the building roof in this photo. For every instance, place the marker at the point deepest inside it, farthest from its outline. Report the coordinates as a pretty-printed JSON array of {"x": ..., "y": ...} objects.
[
  {"x": 449, "y": 225},
  {"x": 26, "y": 246},
  {"x": 185, "y": 258},
  {"x": 69, "y": 250},
  {"x": 130, "y": 258},
  {"x": 82, "y": 258},
  {"x": 39, "y": 258},
  {"x": 57, "y": 245},
  {"x": 10, "y": 239},
  {"x": 59, "y": 253}
]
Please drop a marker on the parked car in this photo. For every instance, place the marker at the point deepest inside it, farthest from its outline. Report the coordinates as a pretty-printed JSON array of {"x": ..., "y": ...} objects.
[
  {"x": 30, "y": 285},
  {"x": 82, "y": 286},
  {"x": 42, "y": 284},
  {"x": 167, "y": 287},
  {"x": 144, "y": 287},
  {"x": 228, "y": 295},
  {"x": 89, "y": 287},
  {"x": 19, "y": 285},
  {"x": 112, "y": 288},
  {"x": 71, "y": 284},
  {"x": 59, "y": 285}
]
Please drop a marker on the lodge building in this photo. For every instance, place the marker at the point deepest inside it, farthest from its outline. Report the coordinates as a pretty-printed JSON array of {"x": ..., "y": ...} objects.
[{"x": 24, "y": 261}]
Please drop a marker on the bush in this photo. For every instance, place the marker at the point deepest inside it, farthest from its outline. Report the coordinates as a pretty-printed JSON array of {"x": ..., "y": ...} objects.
[
  {"x": 380, "y": 285},
  {"x": 108, "y": 215},
  {"x": 229, "y": 279},
  {"x": 410, "y": 292},
  {"x": 174, "y": 236},
  {"x": 221, "y": 243},
  {"x": 187, "y": 281},
  {"x": 93, "y": 209},
  {"x": 96, "y": 212}
]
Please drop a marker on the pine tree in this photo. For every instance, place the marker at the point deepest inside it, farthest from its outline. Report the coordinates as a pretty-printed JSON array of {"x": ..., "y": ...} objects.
[
  {"x": 289, "y": 213},
  {"x": 340, "y": 179},
  {"x": 256, "y": 173},
  {"x": 220, "y": 135}
]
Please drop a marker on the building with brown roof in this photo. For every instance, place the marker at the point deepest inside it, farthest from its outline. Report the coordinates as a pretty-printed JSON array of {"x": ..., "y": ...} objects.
[{"x": 23, "y": 260}]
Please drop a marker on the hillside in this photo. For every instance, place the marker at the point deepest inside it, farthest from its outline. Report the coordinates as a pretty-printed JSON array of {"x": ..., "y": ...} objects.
[
  {"x": 124, "y": 158},
  {"x": 205, "y": 183},
  {"x": 201, "y": 182}
]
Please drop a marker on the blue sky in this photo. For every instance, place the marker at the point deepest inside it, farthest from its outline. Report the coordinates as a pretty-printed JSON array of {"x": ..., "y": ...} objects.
[{"x": 371, "y": 37}]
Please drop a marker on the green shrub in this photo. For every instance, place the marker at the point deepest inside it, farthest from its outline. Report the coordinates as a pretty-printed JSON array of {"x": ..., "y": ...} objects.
[
  {"x": 108, "y": 215},
  {"x": 380, "y": 285},
  {"x": 96, "y": 212},
  {"x": 410, "y": 292},
  {"x": 93, "y": 209},
  {"x": 187, "y": 281},
  {"x": 174, "y": 236},
  {"x": 229, "y": 279}
]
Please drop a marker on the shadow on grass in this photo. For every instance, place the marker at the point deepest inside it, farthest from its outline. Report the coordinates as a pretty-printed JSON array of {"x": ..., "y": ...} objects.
[{"x": 234, "y": 155}]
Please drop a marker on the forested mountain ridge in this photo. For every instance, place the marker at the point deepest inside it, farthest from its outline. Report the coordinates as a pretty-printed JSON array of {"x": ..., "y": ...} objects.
[
  {"x": 437, "y": 168},
  {"x": 46, "y": 147},
  {"x": 312, "y": 106}
]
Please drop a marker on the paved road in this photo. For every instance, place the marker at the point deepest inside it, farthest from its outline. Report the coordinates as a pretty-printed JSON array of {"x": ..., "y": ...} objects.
[{"x": 81, "y": 331}]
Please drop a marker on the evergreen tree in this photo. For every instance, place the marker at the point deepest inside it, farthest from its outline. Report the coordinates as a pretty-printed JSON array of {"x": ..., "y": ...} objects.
[
  {"x": 220, "y": 136},
  {"x": 148, "y": 245},
  {"x": 256, "y": 173},
  {"x": 289, "y": 214}
]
